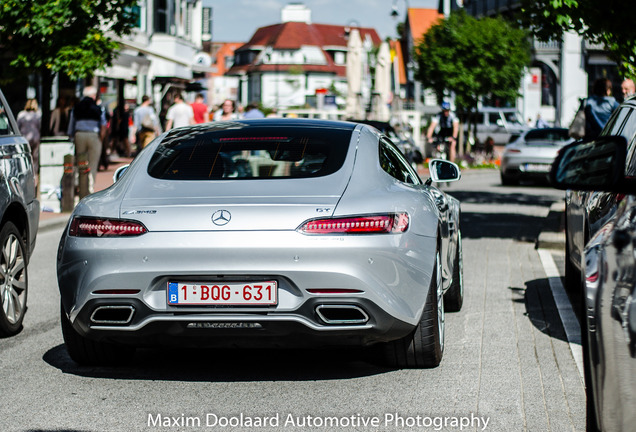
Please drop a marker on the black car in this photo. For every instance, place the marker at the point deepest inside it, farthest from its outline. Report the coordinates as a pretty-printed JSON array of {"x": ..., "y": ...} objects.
[
  {"x": 588, "y": 211},
  {"x": 607, "y": 166},
  {"x": 19, "y": 217}
]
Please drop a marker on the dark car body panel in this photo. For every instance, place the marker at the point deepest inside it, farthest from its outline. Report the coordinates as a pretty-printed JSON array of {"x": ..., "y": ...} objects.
[{"x": 17, "y": 182}]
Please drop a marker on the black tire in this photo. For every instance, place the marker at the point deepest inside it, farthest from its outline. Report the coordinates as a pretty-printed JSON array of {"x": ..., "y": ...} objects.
[
  {"x": 88, "y": 352},
  {"x": 590, "y": 403},
  {"x": 424, "y": 347},
  {"x": 573, "y": 280},
  {"x": 454, "y": 297},
  {"x": 14, "y": 280},
  {"x": 508, "y": 180}
]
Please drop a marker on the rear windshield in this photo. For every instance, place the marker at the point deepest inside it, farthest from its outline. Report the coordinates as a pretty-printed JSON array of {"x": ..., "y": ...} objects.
[
  {"x": 250, "y": 153},
  {"x": 547, "y": 135}
]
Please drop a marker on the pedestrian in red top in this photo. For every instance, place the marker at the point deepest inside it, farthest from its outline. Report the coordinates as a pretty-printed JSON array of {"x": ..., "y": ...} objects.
[{"x": 200, "y": 109}]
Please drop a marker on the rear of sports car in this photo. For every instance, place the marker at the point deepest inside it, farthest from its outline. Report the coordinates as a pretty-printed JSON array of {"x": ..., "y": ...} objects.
[{"x": 231, "y": 235}]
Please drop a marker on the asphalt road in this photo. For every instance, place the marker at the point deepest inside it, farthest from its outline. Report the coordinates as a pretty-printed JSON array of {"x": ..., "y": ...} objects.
[{"x": 507, "y": 366}]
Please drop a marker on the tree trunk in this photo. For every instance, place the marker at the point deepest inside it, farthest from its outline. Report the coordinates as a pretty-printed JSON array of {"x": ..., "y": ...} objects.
[{"x": 47, "y": 83}]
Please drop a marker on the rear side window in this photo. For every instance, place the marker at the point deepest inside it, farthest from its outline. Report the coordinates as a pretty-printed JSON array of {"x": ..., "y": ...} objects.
[
  {"x": 392, "y": 161},
  {"x": 5, "y": 125},
  {"x": 615, "y": 123},
  {"x": 547, "y": 135},
  {"x": 252, "y": 152},
  {"x": 493, "y": 118}
]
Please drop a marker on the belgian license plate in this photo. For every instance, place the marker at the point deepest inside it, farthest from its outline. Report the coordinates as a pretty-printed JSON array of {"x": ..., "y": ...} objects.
[
  {"x": 542, "y": 168},
  {"x": 223, "y": 293}
]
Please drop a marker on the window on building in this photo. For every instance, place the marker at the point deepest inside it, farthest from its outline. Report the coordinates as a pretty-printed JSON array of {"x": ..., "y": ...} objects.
[
  {"x": 163, "y": 20},
  {"x": 229, "y": 62}
]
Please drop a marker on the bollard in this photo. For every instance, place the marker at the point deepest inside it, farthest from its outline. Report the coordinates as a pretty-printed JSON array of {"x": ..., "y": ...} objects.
[
  {"x": 68, "y": 184},
  {"x": 84, "y": 171}
]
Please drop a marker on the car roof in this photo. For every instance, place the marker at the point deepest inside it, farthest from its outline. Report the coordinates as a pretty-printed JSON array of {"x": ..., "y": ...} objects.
[
  {"x": 497, "y": 109},
  {"x": 269, "y": 122}
]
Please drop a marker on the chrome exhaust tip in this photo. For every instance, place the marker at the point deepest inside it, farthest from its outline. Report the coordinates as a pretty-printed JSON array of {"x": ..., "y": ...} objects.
[
  {"x": 115, "y": 314},
  {"x": 335, "y": 314}
]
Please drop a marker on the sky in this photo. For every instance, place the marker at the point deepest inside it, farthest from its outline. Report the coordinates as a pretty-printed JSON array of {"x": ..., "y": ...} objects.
[{"x": 237, "y": 20}]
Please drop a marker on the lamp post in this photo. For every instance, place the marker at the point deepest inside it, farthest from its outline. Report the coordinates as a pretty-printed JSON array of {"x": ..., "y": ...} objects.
[
  {"x": 394, "y": 9},
  {"x": 409, "y": 62}
]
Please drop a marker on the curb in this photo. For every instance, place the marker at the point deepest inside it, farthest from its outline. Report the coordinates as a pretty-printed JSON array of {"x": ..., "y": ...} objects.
[{"x": 552, "y": 234}]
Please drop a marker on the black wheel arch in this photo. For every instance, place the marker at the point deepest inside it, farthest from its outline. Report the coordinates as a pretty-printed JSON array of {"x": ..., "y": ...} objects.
[{"x": 17, "y": 214}]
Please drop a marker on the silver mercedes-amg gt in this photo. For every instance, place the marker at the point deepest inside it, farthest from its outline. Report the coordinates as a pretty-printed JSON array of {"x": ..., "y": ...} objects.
[{"x": 273, "y": 232}]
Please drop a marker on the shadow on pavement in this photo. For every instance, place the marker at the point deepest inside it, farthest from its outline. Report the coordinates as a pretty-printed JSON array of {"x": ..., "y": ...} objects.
[
  {"x": 520, "y": 227},
  {"x": 541, "y": 309},
  {"x": 227, "y": 365},
  {"x": 501, "y": 225},
  {"x": 57, "y": 430},
  {"x": 477, "y": 197}
]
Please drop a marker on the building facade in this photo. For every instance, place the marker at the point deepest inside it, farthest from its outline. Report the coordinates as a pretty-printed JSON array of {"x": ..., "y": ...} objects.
[
  {"x": 164, "y": 52},
  {"x": 563, "y": 69},
  {"x": 288, "y": 64}
]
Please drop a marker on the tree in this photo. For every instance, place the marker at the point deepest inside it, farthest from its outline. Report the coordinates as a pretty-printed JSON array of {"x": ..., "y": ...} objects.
[
  {"x": 474, "y": 58},
  {"x": 609, "y": 22},
  {"x": 73, "y": 37}
]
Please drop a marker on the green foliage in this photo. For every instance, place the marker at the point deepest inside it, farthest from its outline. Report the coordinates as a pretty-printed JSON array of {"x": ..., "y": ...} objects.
[
  {"x": 69, "y": 36},
  {"x": 610, "y": 22},
  {"x": 475, "y": 58}
]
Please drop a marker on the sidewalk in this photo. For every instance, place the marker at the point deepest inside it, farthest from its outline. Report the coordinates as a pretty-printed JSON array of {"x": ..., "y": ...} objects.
[
  {"x": 553, "y": 233},
  {"x": 50, "y": 220}
]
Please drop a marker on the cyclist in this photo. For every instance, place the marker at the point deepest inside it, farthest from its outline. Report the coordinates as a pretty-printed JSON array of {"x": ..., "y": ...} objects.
[{"x": 448, "y": 128}]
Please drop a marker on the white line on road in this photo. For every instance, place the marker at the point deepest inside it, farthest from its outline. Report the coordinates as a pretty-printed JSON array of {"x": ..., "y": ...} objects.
[{"x": 568, "y": 318}]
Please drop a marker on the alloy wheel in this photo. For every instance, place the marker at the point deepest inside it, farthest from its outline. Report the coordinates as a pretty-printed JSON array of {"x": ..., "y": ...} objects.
[{"x": 12, "y": 279}]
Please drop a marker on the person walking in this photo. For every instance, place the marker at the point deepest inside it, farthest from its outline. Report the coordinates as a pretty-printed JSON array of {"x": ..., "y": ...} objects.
[
  {"x": 59, "y": 117},
  {"x": 179, "y": 114},
  {"x": 146, "y": 123},
  {"x": 628, "y": 87},
  {"x": 540, "y": 123},
  {"x": 227, "y": 111},
  {"x": 119, "y": 130},
  {"x": 30, "y": 124},
  {"x": 87, "y": 126},
  {"x": 200, "y": 110},
  {"x": 252, "y": 112},
  {"x": 599, "y": 106}
]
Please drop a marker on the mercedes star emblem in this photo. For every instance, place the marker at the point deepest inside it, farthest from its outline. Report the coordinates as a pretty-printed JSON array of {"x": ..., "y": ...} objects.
[{"x": 221, "y": 217}]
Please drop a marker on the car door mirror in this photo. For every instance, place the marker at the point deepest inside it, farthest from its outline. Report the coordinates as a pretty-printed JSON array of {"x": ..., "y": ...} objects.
[
  {"x": 596, "y": 165},
  {"x": 443, "y": 171},
  {"x": 119, "y": 172}
]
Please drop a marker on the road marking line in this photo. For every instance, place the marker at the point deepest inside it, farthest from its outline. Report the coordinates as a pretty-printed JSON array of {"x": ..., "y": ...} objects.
[{"x": 566, "y": 313}]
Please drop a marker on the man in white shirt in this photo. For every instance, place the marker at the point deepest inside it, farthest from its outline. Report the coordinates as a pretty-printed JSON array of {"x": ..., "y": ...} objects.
[{"x": 179, "y": 114}]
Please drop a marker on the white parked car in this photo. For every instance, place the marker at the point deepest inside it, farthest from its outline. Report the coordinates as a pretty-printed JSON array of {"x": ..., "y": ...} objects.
[{"x": 530, "y": 156}]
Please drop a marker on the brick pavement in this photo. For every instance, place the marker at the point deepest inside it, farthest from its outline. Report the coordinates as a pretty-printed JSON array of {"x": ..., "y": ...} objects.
[{"x": 509, "y": 329}]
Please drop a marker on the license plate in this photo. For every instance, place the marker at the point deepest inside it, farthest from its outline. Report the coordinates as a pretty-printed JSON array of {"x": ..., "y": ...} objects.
[
  {"x": 223, "y": 293},
  {"x": 537, "y": 168}
]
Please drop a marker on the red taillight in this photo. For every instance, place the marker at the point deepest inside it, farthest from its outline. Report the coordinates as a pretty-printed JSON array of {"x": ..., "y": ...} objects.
[
  {"x": 96, "y": 227},
  {"x": 592, "y": 278},
  {"x": 376, "y": 224}
]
